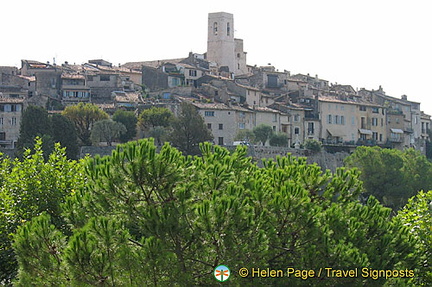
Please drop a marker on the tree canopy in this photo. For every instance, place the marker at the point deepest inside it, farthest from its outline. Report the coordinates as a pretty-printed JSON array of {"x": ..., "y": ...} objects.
[
  {"x": 30, "y": 186},
  {"x": 84, "y": 115},
  {"x": 189, "y": 130},
  {"x": 279, "y": 139},
  {"x": 129, "y": 120},
  {"x": 262, "y": 133},
  {"x": 148, "y": 218},
  {"x": 106, "y": 131},
  {"x": 155, "y": 117},
  {"x": 51, "y": 128},
  {"x": 391, "y": 175}
]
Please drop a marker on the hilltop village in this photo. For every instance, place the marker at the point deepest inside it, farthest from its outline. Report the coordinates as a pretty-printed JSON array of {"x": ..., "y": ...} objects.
[{"x": 230, "y": 95}]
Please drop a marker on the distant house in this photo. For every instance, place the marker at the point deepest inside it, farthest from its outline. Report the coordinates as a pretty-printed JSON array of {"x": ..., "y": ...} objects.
[
  {"x": 11, "y": 107},
  {"x": 74, "y": 89}
]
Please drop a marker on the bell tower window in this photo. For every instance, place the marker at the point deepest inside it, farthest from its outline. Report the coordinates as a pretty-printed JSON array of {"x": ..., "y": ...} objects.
[{"x": 215, "y": 28}]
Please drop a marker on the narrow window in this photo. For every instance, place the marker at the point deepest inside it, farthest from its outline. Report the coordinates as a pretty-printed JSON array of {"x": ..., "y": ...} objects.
[
  {"x": 215, "y": 27},
  {"x": 228, "y": 29}
]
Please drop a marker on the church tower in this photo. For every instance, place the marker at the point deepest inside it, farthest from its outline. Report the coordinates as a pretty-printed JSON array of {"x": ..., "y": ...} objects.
[{"x": 220, "y": 41}]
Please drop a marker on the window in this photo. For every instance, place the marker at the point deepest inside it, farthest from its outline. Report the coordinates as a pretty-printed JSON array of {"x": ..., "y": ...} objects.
[
  {"x": 221, "y": 126},
  {"x": 362, "y": 108},
  {"x": 209, "y": 126},
  {"x": 311, "y": 129},
  {"x": 104, "y": 78},
  {"x": 375, "y": 136},
  {"x": 353, "y": 120},
  {"x": 7, "y": 108},
  {"x": 272, "y": 81},
  {"x": 382, "y": 122},
  {"x": 329, "y": 119},
  {"x": 209, "y": 114},
  {"x": 380, "y": 137},
  {"x": 242, "y": 115},
  {"x": 363, "y": 123},
  {"x": 228, "y": 29},
  {"x": 220, "y": 140},
  {"x": 13, "y": 121},
  {"x": 336, "y": 119},
  {"x": 297, "y": 118},
  {"x": 296, "y": 131},
  {"x": 215, "y": 28},
  {"x": 374, "y": 122},
  {"x": 342, "y": 107},
  {"x": 192, "y": 73},
  {"x": 1, "y": 121},
  {"x": 375, "y": 110},
  {"x": 2, "y": 136},
  {"x": 241, "y": 126},
  {"x": 342, "y": 120}
]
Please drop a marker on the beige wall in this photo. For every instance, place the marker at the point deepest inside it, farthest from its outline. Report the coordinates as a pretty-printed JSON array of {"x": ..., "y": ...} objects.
[
  {"x": 226, "y": 123},
  {"x": 343, "y": 126},
  {"x": 220, "y": 44},
  {"x": 10, "y": 120}
]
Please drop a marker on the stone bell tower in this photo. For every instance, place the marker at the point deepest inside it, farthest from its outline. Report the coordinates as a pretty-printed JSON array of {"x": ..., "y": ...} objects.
[{"x": 220, "y": 40}]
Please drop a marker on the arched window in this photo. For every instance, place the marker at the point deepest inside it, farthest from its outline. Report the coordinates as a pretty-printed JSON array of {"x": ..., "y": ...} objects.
[{"x": 215, "y": 27}]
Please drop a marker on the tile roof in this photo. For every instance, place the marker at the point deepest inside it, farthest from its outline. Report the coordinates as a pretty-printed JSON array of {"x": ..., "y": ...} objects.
[{"x": 349, "y": 102}]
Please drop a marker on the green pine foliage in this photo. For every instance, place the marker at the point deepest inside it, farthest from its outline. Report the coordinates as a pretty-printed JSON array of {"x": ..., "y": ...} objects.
[
  {"x": 391, "y": 175},
  {"x": 417, "y": 215},
  {"x": 148, "y": 218},
  {"x": 29, "y": 187}
]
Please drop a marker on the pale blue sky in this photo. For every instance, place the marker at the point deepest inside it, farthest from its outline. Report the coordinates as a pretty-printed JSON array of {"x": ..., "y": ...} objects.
[{"x": 363, "y": 43}]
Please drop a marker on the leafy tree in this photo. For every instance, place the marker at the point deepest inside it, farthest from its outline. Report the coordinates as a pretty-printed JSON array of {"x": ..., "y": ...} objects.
[
  {"x": 29, "y": 187},
  {"x": 262, "y": 133},
  {"x": 313, "y": 145},
  {"x": 245, "y": 135},
  {"x": 63, "y": 132},
  {"x": 34, "y": 122},
  {"x": 129, "y": 120},
  {"x": 107, "y": 131},
  {"x": 148, "y": 218},
  {"x": 155, "y": 117},
  {"x": 279, "y": 139},
  {"x": 156, "y": 122},
  {"x": 84, "y": 115},
  {"x": 391, "y": 175},
  {"x": 189, "y": 130},
  {"x": 417, "y": 215}
]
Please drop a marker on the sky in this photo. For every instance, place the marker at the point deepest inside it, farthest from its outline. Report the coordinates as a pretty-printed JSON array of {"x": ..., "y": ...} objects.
[{"x": 365, "y": 44}]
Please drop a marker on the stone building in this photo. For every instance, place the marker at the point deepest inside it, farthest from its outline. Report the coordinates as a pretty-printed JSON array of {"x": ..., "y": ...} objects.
[
  {"x": 222, "y": 48},
  {"x": 11, "y": 107},
  {"x": 225, "y": 121}
]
